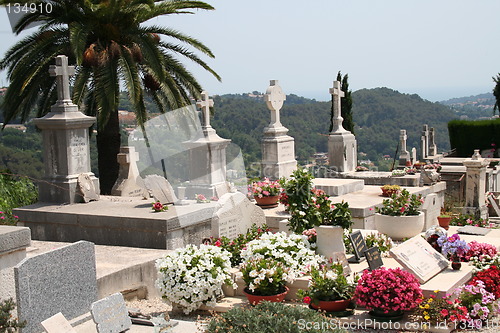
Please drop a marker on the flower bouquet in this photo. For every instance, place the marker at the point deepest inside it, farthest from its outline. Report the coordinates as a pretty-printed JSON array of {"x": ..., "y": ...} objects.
[
  {"x": 453, "y": 248},
  {"x": 388, "y": 291},
  {"x": 327, "y": 287},
  {"x": 200, "y": 198},
  {"x": 436, "y": 310},
  {"x": 191, "y": 276},
  {"x": 159, "y": 207}
]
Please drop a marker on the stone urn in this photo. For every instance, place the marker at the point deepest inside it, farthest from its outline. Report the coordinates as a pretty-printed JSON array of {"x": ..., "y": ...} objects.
[
  {"x": 399, "y": 227},
  {"x": 329, "y": 239}
]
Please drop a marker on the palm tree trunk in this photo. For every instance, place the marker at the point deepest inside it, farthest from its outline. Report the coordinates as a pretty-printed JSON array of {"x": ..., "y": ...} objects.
[{"x": 108, "y": 147}]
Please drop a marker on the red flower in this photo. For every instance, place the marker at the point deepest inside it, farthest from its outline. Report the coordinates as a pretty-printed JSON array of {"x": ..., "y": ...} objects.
[
  {"x": 444, "y": 312},
  {"x": 307, "y": 300},
  {"x": 218, "y": 243}
]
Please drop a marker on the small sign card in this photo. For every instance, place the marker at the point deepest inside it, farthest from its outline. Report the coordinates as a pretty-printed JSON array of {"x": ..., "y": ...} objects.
[
  {"x": 373, "y": 258},
  {"x": 418, "y": 257},
  {"x": 359, "y": 246},
  {"x": 342, "y": 259}
]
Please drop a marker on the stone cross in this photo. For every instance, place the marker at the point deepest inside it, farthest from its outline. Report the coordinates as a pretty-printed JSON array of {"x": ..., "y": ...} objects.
[
  {"x": 432, "y": 143},
  {"x": 205, "y": 104},
  {"x": 337, "y": 93},
  {"x": 405, "y": 154},
  {"x": 414, "y": 155},
  {"x": 274, "y": 100},
  {"x": 424, "y": 142},
  {"x": 62, "y": 72}
]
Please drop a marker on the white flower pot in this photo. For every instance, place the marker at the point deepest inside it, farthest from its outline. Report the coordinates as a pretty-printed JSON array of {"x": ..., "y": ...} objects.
[
  {"x": 399, "y": 227},
  {"x": 329, "y": 239}
]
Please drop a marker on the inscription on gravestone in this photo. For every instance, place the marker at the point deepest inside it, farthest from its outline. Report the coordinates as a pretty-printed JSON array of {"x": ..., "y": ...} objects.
[
  {"x": 373, "y": 258},
  {"x": 418, "y": 257},
  {"x": 110, "y": 314},
  {"x": 359, "y": 246}
]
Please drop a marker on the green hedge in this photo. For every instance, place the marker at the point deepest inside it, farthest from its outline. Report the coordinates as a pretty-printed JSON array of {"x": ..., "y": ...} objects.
[{"x": 467, "y": 135}]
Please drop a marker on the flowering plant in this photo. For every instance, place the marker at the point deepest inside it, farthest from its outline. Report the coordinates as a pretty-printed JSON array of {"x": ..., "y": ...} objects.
[
  {"x": 436, "y": 310},
  {"x": 398, "y": 173},
  {"x": 410, "y": 171},
  {"x": 464, "y": 220},
  {"x": 311, "y": 235},
  {"x": 432, "y": 235},
  {"x": 484, "y": 262},
  {"x": 477, "y": 249},
  {"x": 293, "y": 251},
  {"x": 200, "y": 198},
  {"x": 388, "y": 190},
  {"x": 433, "y": 166},
  {"x": 388, "y": 289},
  {"x": 192, "y": 276},
  {"x": 480, "y": 303},
  {"x": 265, "y": 188},
  {"x": 234, "y": 246},
  {"x": 401, "y": 204},
  {"x": 327, "y": 284},
  {"x": 265, "y": 277},
  {"x": 158, "y": 207},
  {"x": 361, "y": 168},
  {"x": 6, "y": 218},
  {"x": 491, "y": 280},
  {"x": 452, "y": 247},
  {"x": 382, "y": 241}
]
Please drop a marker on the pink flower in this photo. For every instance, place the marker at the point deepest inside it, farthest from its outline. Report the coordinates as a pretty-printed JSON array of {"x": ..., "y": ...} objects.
[
  {"x": 402, "y": 209},
  {"x": 266, "y": 193},
  {"x": 307, "y": 300},
  {"x": 444, "y": 312},
  {"x": 218, "y": 243}
]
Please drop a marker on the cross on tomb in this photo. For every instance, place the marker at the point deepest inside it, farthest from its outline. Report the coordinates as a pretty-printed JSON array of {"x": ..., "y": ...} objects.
[
  {"x": 337, "y": 93},
  {"x": 62, "y": 72},
  {"x": 205, "y": 104},
  {"x": 274, "y": 100}
]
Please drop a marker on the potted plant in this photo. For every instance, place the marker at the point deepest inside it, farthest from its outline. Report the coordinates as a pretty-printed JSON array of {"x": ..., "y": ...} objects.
[
  {"x": 329, "y": 290},
  {"x": 479, "y": 302},
  {"x": 453, "y": 248},
  {"x": 265, "y": 280},
  {"x": 399, "y": 216},
  {"x": 444, "y": 220},
  {"x": 438, "y": 310},
  {"x": 330, "y": 232},
  {"x": 266, "y": 192},
  {"x": 387, "y": 292},
  {"x": 389, "y": 190}
]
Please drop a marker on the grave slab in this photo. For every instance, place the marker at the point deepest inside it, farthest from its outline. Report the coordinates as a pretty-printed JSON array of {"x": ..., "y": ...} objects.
[
  {"x": 110, "y": 314},
  {"x": 57, "y": 324},
  {"x": 337, "y": 186}
]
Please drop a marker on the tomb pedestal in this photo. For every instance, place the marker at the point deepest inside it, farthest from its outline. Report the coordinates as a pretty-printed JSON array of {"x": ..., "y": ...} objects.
[
  {"x": 475, "y": 192},
  {"x": 342, "y": 151}
]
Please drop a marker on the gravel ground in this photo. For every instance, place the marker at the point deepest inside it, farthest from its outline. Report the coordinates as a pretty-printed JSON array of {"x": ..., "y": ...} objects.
[{"x": 156, "y": 307}]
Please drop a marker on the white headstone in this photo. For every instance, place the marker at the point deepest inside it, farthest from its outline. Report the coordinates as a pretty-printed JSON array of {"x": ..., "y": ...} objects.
[
  {"x": 432, "y": 143},
  {"x": 418, "y": 257},
  {"x": 278, "y": 149},
  {"x": 160, "y": 189},
  {"x": 57, "y": 324},
  {"x": 129, "y": 182},
  {"x": 234, "y": 215},
  {"x": 87, "y": 188},
  {"x": 413, "y": 155},
  {"x": 404, "y": 156},
  {"x": 110, "y": 314},
  {"x": 424, "y": 142}
]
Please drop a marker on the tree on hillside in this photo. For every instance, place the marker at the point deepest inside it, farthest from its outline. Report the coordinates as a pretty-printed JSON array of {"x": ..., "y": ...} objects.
[
  {"x": 346, "y": 104},
  {"x": 111, "y": 48},
  {"x": 496, "y": 93}
]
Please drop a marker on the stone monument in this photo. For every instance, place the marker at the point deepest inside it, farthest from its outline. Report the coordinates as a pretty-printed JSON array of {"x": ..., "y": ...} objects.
[
  {"x": 475, "y": 191},
  {"x": 207, "y": 157},
  {"x": 424, "y": 142},
  {"x": 432, "y": 143},
  {"x": 129, "y": 182},
  {"x": 404, "y": 157},
  {"x": 342, "y": 147},
  {"x": 65, "y": 132},
  {"x": 278, "y": 149}
]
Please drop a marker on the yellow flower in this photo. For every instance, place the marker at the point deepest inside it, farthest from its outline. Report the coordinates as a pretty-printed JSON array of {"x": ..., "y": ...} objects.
[
  {"x": 421, "y": 306},
  {"x": 436, "y": 291},
  {"x": 427, "y": 306},
  {"x": 426, "y": 313},
  {"x": 426, "y": 317},
  {"x": 430, "y": 300}
]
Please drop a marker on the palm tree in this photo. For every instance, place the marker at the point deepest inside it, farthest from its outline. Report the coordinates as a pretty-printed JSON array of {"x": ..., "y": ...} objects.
[
  {"x": 111, "y": 47},
  {"x": 496, "y": 93}
]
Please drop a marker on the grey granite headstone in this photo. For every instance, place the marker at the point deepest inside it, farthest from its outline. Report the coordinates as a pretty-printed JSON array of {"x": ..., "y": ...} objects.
[
  {"x": 110, "y": 314},
  {"x": 87, "y": 188},
  {"x": 234, "y": 215},
  {"x": 160, "y": 189},
  {"x": 62, "y": 280}
]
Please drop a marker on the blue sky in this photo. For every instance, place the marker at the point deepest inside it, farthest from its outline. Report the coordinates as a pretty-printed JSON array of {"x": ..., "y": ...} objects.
[{"x": 438, "y": 49}]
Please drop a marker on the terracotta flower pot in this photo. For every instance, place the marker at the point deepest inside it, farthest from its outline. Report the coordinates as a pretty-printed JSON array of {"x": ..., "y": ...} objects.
[
  {"x": 388, "y": 193},
  {"x": 256, "y": 299},
  {"x": 267, "y": 202},
  {"x": 399, "y": 227},
  {"x": 444, "y": 221},
  {"x": 332, "y": 306}
]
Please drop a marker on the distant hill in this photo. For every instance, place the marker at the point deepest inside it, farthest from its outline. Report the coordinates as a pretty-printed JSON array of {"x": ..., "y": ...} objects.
[
  {"x": 472, "y": 107},
  {"x": 378, "y": 113}
]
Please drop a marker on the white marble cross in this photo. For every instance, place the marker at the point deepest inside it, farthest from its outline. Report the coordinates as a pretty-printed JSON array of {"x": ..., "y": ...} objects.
[
  {"x": 205, "y": 104},
  {"x": 62, "y": 72},
  {"x": 274, "y": 99},
  {"x": 337, "y": 93}
]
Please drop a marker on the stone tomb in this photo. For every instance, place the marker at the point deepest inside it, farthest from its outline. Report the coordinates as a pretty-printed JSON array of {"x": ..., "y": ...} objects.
[
  {"x": 110, "y": 314},
  {"x": 418, "y": 257},
  {"x": 335, "y": 186},
  {"x": 62, "y": 280},
  {"x": 234, "y": 215}
]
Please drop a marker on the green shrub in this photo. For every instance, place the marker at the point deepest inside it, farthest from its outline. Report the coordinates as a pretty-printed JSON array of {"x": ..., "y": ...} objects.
[
  {"x": 14, "y": 192},
  {"x": 7, "y": 323},
  {"x": 271, "y": 317},
  {"x": 467, "y": 135}
]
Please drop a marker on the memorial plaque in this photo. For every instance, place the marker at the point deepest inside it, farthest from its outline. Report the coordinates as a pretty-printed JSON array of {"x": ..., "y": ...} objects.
[
  {"x": 418, "y": 257},
  {"x": 110, "y": 314},
  {"x": 359, "y": 246},
  {"x": 373, "y": 258},
  {"x": 340, "y": 258},
  {"x": 57, "y": 324},
  {"x": 471, "y": 230}
]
